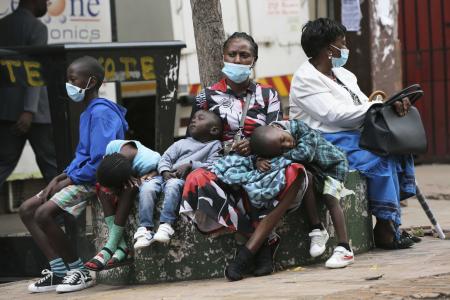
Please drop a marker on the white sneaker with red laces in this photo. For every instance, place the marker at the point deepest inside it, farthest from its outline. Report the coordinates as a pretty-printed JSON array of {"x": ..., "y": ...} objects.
[{"x": 340, "y": 259}]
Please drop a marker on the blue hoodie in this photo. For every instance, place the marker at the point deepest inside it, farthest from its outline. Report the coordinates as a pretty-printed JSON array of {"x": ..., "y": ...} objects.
[{"x": 101, "y": 122}]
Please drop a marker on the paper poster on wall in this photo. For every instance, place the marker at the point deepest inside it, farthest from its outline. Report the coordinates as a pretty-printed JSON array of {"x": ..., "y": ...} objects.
[{"x": 351, "y": 15}]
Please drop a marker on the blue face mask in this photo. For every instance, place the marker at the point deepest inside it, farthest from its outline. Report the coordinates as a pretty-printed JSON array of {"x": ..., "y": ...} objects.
[
  {"x": 338, "y": 62},
  {"x": 75, "y": 93},
  {"x": 236, "y": 72}
]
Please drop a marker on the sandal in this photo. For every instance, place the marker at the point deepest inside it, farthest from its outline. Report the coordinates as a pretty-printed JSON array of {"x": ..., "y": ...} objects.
[
  {"x": 114, "y": 262},
  {"x": 97, "y": 263},
  {"x": 414, "y": 238},
  {"x": 380, "y": 229},
  {"x": 402, "y": 243}
]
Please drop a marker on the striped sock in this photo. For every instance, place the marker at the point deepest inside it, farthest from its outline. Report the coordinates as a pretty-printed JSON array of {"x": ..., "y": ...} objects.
[
  {"x": 122, "y": 244},
  {"x": 77, "y": 265},
  {"x": 58, "y": 267}
]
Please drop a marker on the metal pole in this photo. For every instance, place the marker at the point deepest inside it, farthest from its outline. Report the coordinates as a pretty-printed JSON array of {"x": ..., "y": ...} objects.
[{"x": 429, "y": 213}]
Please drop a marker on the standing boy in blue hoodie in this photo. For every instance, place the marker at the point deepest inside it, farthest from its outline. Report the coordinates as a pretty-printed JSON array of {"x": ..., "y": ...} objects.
[{"x": 101, "y": 122}]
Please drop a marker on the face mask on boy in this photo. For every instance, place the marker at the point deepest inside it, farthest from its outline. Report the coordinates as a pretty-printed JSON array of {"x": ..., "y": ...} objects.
[
  {"x": 75, "y": 93},
  {"x": 236, "y": 72},
  {"x": 340, "y": 61}
]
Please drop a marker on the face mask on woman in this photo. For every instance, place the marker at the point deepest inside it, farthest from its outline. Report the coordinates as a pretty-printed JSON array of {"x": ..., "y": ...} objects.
[
  {"x": 236, "y": 72},
  {"x": 75, "y": 93},
  {"x": 340, "y": 61}
]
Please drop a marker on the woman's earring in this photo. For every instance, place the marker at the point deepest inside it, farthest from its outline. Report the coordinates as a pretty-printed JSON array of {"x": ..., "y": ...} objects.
[{"x": 330, "y": 55}]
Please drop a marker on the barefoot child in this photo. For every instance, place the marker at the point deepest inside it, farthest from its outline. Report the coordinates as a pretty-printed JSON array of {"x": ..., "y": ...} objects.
[
  {"x": 295, "y": 141},
  {"x": 198, "y": 151},
  {"x": 101, "y": 122},
  {"x": 127, "y": 167}
]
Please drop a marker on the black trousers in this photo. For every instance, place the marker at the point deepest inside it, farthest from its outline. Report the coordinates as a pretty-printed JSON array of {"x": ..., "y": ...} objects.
[{"x": 40, "y": 137}]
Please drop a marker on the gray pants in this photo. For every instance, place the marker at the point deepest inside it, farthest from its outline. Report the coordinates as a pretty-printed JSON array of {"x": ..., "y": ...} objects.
[{"x": 40, "y": 137}]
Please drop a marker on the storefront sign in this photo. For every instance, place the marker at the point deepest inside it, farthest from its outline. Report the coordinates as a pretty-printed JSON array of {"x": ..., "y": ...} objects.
[{"x": 72, "y": 21}]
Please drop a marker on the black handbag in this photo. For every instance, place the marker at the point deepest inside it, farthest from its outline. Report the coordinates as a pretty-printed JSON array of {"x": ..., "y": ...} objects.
[{"x": 385, "y": 132}]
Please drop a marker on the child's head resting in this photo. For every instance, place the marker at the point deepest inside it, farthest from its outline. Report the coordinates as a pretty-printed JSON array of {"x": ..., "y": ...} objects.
[
  {"x": 271, "y": 141},
  {"x": 205, "y": 126},
  {"x": 114, "y": 171},
  {"x": 85, "y": 73}
]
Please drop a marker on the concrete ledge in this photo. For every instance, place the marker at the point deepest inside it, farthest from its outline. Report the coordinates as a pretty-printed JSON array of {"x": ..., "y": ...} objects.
[{"x": 191, "y": 255}]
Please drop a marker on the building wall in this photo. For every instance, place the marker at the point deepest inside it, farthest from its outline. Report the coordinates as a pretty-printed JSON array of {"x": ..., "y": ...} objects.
[{"x": 143, "y": 20}]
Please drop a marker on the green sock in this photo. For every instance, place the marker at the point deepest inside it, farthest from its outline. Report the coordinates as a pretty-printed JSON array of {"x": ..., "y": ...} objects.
[
  {"x": 115, "y": 234},
  {"x": 122, "y": 244}
]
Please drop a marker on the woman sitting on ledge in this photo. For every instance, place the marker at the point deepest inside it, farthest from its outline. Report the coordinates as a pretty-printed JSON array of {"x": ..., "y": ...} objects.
[
  {"x": 214, "y": 205},
  {"x": 327, "y": 97}
]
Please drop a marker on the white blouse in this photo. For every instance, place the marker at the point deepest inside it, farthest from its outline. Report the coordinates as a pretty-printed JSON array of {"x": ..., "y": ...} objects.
[{"x": 322, "y": 103}]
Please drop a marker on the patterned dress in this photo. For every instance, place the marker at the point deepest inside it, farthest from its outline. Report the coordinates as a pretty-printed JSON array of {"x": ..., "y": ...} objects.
[{"x": 207, "y": 201}]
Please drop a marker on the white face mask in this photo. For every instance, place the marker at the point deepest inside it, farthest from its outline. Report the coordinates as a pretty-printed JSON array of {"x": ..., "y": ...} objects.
[{"x": 76, "y": 93}]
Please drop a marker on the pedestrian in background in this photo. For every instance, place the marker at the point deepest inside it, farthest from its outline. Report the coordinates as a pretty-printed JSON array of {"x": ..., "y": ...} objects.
[{"x": 24, "y": 111}]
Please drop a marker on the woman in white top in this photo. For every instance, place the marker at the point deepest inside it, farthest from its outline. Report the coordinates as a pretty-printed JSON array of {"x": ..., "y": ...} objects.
[{"x": 327, "y": 97}]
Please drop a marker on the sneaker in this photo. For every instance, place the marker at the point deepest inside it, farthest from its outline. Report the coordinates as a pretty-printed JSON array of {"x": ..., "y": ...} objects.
[
  {"x": 165, "y": 231},
  {"x": 75, "y": 280},
  {"x": 143, "y": 237},
  {"x": 47, "y": 283},
  {"x": 340, "y": 259},
  {"x": 319, "y": 240}
]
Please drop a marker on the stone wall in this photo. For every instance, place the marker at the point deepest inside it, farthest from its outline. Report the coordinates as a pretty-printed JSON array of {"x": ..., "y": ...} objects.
[{"x": 191, "y": 255}]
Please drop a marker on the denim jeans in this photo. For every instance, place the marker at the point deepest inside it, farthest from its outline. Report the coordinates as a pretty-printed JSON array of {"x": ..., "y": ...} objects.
[{"x": 148, "y": 196}]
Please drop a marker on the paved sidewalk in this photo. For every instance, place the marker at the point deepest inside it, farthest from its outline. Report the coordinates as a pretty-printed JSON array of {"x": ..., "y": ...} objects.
[
  {"x": 420, "y": 272},
  {"x": 429, "y": 258}
]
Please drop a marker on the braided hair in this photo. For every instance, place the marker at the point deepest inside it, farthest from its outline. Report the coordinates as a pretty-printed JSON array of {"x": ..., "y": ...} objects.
[
  {"x": 245, "y": 36},
  {"x": 114, "y": 171}
]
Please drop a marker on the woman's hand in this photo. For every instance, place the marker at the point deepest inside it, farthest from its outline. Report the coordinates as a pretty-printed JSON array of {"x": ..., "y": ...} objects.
[
  {"x": 262, "y": 164},
  {"x": 242, "y": 147},
  {"x": 402, "y": 107}
]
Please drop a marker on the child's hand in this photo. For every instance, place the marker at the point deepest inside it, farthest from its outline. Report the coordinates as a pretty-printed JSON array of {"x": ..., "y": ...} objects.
[
  {"x": 60, "y": 185},
  {"x": 262, "y": 164},
  {"x": 183, "y": 170},
  {"x": 149, "y": 176},
  {"x": 242, "y": 147},
  {"x": 132, "y": 182},
  {"x": 107, "y": 196},
  {"x": 51, "y": 187},
  {"x": 168, "y": 175}
]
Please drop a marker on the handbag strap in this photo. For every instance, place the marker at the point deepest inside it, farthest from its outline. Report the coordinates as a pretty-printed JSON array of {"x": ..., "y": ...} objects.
[
  {"x": 401, "y": 94},
  {"x": 244, "y": 112},
  {"x": 412, "y": 95}
]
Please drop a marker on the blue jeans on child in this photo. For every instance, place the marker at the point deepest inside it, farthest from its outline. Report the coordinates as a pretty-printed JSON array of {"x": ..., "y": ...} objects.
[{"x": 148, "y": 196}]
